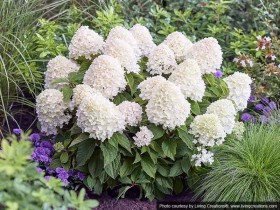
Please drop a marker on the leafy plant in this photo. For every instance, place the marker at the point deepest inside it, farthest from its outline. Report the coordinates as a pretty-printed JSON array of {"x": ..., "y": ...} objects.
[
  {"x": 22, "y": 187},
  {"x": 246, "y": 170}
]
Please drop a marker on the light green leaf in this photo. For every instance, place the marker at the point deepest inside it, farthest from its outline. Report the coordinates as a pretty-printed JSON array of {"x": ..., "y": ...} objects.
[
  {"x": 157, "y": 131},
  {"x": 169, "y": 148},
  {"x": 185, "y": 136},
  {"x": 64, "y": 157},
  {"x": 82, "y": 137}
]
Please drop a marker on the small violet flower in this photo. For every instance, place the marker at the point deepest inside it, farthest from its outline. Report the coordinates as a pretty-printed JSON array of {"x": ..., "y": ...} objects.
[
  {"x": 259, "y": 107},
  {"x": 252, "y": 99},
  {"x": 218, "y": 74},
  {"x": 35, "y": 137},
  {"x": 246, "y": 117},
  {"x": 17, "y": 131},
  {"x": 272, "y": 105},
  {"x": 265, "y": 100}
]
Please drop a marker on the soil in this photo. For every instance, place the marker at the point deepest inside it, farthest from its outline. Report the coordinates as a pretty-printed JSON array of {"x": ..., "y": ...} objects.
[{"x": 107, "y": 202}]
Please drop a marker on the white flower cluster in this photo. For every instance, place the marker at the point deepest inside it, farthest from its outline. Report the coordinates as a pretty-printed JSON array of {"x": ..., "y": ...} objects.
[
  {"x": 161, "y": 60},
  {"x": 144, "y": 39},
  {"x": 80, "y": 92},
  {"x": 59, "y": 68},
  {"x": 188, "y": 77},
  {"x": 99, "y": 117},
  {"x": 208, "y": 130},
  {"x": 239, "y": 89},
  {"x": 179, "y": 44},
  {"x": 167, "y": 106},
  {"x": 143, "y": 137},
  {"x": 122, "y": 51},
  {"x": 204, "y": 156},
  {"x": 226, "y": 113},
  {"x": 208, "y": 54},
  {"x": 106, "y": 75},
  {"x": 50, "y": 109},
  {"x": 148, "y": 86},
  {"x": 85, "y": 42},
  {"x": 131, "y": 111},
  {"x": 122, "y": 33},
  {"x": 238, "y": 130}
]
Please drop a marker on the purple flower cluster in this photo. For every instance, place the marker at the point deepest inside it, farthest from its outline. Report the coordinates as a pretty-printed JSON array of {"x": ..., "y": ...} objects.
[
  {"x": 264, "y": 109},
  {"x": 43, "y": 152},
  {"x": 218, "y": 74}
]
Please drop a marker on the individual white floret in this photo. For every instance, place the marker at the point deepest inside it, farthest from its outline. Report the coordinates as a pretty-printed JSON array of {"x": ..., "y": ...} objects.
[
  {"x": 59, "y": 68},
  {"x": 148, "y": 86},
  {"x": 144, "y": 39},
  {"x": 203, "y": 157},
  {"x": 122, "y": 33},
  {"x": 143, "y": 137},
  {"x": 167, "y": 106},
  {"x": 179, "y": 44},
  {"x": 226, "y": 113},
  {"x": 132, "y": 112},
  {"x": 99, "y": 117},
  {"x": 122, "y": 51},
  {"x": 208, "y": 55},
  {"x": 85, "y": 42},
  {"x": 239, "y": 89},
  {"x": 50, "y": 109},
  {"x": 188, "y": 77},
  {"x": 207, "y": 130},
  {"x": 161, "y": 60},
  {"x": 106, "y": 75}
]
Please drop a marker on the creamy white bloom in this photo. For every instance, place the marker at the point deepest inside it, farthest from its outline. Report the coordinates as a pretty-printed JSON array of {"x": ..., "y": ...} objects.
[
  {"x": 148, "y": 86},
  {"x": 188, "y": 77},
  {"x": 161, "y": 60},
  {"x": 226, "y": 113},
  {"x": 179, "y": 44},
  {"x": 239, "y": 89},
  {"x": 208, "y": 55},
  {"x": 144, "y": 39},
  {"x": 143, "y": 137},
  {"x": 106, "y": 75},
  {"x": 207, "y": 130},
  {"x": 167, "y": 106},
  {"x": 203, "y": 157},
  {"x": 122, "y": 51},
  {"x": 122, "y": 33},
  {"x": 85, "y": 42},
  {"x": 238, "y": 130},
  {"x": 59, "y": 67},
  {"x": 80, "y": 92},
  {"x": 99, "y": 117},
  {"x": 50, "y": 109},
  {"x": 132, "y": 112}
]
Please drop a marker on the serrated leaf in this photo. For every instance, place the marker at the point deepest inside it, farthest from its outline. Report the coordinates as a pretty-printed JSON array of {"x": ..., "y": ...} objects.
[
  {"x": 157, "y": 131},
  {"x": 137, "y": 158},
  {"x": 169, "y": 148},
  {"x": 113, "y": 168},
  {"x": 121, "y": 97},
  {"x": 176, "y": 169},
  {"x": 126, "y": 168},
  {"x": 109, "y": 152},
  {"x": 148, "y": 166},
  {"x": 95, "y": 164},
  {"x": 163, "y": 170},
  {"x": 195, "y": 108},
  {"x": 98, "y": 187},
  {"x": 82, "y": 137},
  {"x": 67, "y": 93},
  {"x": 85, "y": 150},
  {"x": 64, "y": 157},
  {"x": 185, "y": 136},
  {"x": 122, "y": 140},
  {"x": 186, "y": 164},
  {"x": 76, "y": 77}
]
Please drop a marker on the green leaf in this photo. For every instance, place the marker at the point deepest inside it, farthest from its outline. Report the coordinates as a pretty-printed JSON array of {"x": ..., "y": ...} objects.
[
  {"x": 153, "y": 155},
  {"x": 76, "y": 77},
  {"x": 215, "y": 91},
  {"x": 176, "y": 169},
  {"x": 67, "y": 93},
  {"x": 157, "y": 131},
  {"x": 169, "y": 148},
  {"x": 195, "y": 108},
  {"x": 121, "y": 97},
  {"x": 148, "y": 165},
  {"x": 64, "y": 157},
  {"x": 96, "y": 164},
  {"x": 185, "y": 136},
  {"x": 163, "y": 170},
  {"x": 178, "y": 185},
  {"x": 186, "y": 164},
  {"x": 122, "y": 191},
  {"x": 55, "y": 163},
  {"x": 98, "y": 187},
  {"x": 90, "y": 182},
  {"x": 137, "y": 158},
  {"x": 122, "y": 140},
  {"x": 130, "y": 82},
  {"x": 85, "y": 150},
  {"x": 156, "y": 147},
  {"x": 113, "y": 168},
  {"x": 109, "y": 153},
  {"x": 75, "y": 130},
  {"x": 82, "y": 137},
  {"x": 59, "y": 80},
  {"x": 126, "y": 168}
]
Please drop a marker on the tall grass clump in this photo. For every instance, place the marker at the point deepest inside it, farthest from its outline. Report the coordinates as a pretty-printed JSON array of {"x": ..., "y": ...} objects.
[
  {"x": 247, "y": 170},
  {"x": 18, "y": 76}
]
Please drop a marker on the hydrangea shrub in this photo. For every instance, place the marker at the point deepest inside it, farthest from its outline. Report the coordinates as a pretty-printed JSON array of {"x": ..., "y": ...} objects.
[{"x": 137, "y": 113}]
